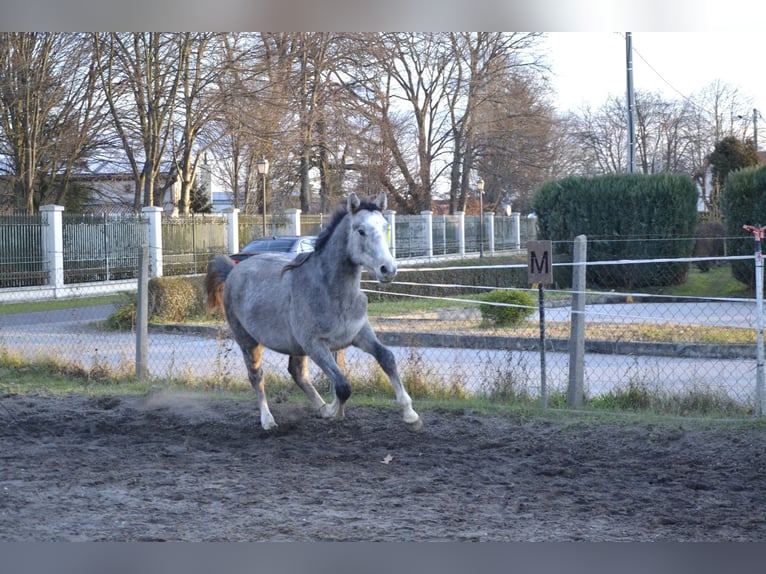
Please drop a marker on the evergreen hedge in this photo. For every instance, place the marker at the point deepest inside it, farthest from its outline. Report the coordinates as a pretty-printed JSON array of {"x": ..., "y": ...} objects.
[
  {"x": 624, "y": 216},
  {"x": 743, "y": 202}
]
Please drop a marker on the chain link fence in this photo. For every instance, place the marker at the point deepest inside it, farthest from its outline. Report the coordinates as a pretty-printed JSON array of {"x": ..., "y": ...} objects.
[{"x": 641, "y": 340}]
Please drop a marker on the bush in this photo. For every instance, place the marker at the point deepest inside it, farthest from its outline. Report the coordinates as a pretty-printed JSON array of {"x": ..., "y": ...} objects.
[
  {"x": 124, "y": 317},
  {"x": 174, "y": 299},
  {"x": 523, "y": 305}
]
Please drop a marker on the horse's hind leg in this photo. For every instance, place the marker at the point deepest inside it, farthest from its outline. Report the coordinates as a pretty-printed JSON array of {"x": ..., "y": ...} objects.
[
  {"x": 368, "y": 342},
  {"x": 298, "y": 369},
  {"x": 253, "y": 356}
]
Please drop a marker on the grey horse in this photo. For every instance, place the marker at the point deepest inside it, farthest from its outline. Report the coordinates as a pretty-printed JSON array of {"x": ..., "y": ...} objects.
[{"x": 311, "y": 306}]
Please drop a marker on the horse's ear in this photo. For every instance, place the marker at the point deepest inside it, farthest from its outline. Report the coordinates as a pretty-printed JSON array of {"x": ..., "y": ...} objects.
[
  {"x": 353, "y": 202},
  {"x": 382, "y": 201}
]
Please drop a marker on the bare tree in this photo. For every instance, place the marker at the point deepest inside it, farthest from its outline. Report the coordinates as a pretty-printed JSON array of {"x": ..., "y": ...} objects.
[
  {"x": 50, "y": 113},
  {"x": 486, "y": 66},
  {"x": 395, "y": 77},
  {"x": 140, "y": 75},
  {"x": 199, "y": 108},
  {"x": 515, "y": 130}
]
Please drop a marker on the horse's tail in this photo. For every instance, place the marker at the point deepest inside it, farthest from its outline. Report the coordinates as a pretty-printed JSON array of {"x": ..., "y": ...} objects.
[{"x": 217, "y": 271}]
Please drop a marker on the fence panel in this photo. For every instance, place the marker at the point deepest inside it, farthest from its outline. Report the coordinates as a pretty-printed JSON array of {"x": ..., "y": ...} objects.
[
  {"x": 445, "y": 234},
  {"x": 101, "y": 247},
  {"x": 314, "y": 224},
  {"x": 251, "y": 227},
  {"x": 189, "y": 243},
  {"x": 410, "y": 236},
  {"x": 22, "y": 258}
]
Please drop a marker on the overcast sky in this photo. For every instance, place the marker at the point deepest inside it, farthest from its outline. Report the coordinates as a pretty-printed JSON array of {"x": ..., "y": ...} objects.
[{"x": 589, "y": 66}]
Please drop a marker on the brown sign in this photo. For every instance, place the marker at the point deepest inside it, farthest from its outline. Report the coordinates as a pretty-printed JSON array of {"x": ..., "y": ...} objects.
[{"x": 539, "y": 262}]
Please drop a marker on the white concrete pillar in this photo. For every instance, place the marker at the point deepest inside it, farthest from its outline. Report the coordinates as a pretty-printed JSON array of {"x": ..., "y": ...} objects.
[
  {"x": 232, "y": 230},
  {"x": 428, "y": 217},
  {"x": 516, "y": 230},
  {"x": 53, "y": 240},
  {"x": 489, "y": 226},
  {"x": 154, "y": 239},
  {"x": 391, "y": 218},
  {"x": 294, "y": 217}
]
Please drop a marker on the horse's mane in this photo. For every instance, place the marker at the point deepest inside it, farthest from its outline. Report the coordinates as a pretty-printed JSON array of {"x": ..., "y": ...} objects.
[{"x": 326, "y": 233}]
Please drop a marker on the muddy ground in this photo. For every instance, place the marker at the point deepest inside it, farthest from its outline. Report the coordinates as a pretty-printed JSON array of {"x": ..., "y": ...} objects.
[{"x": 167, "y": 467}]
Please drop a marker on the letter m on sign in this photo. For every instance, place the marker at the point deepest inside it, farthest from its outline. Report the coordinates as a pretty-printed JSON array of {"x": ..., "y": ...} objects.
[{"x": 540, "y": 262}]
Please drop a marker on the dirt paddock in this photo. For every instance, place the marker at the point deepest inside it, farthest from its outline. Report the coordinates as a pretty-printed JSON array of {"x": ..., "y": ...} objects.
[{"x": 167, "y": 467}]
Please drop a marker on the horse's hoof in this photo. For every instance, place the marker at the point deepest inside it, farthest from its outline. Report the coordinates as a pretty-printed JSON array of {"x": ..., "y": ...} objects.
[
  {"x": 415, "y": 425},
  {"x": 268, "y": 423},
  {"x": 332, "y": 411}
]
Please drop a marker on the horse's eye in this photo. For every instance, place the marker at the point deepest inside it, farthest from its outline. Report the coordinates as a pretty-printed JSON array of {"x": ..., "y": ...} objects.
[{"x": 362, "y": 233}]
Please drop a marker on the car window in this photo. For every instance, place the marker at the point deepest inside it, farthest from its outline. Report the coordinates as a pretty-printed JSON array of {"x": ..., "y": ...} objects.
[
  {"x": 307, "y": 245},
  {"x": 254, "y": 247},
  {"x": 262, "y": 245}
]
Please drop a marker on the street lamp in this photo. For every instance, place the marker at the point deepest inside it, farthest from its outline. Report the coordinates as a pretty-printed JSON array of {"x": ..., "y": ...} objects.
[
  {"x": 480, "y": 189},
  {"x": 263, "y": 169}
]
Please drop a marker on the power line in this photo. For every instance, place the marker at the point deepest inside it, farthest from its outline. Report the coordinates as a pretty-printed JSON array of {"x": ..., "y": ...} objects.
[{"x": 671, "y": 86}]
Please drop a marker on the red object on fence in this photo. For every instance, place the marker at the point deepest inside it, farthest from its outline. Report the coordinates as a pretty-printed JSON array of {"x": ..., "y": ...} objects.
[{"x": 756, "y": 231}]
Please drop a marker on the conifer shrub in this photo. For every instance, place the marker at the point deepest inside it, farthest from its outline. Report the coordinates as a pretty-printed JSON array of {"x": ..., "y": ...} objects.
[
  {"x": 522, "y": 305},
  {"x": 743, "y": 202},
  {"x": 624, "y": 216}
]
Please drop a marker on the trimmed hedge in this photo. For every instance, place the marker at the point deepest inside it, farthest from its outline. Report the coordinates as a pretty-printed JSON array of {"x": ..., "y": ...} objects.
[
  {"x": 174, "y": 299},
  {"x": 743, "y": 202},
  {"x": 629, "y": 216}
]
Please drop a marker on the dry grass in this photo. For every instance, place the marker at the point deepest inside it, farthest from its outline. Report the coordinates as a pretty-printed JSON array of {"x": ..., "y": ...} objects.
[{"x": 470, "y": 321}]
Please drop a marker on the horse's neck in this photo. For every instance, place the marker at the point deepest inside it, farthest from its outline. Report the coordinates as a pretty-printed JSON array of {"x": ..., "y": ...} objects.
[{"x": 345, "y": 277}]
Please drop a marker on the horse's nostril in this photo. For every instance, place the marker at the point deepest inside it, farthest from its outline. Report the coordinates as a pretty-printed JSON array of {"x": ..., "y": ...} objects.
[{"x": 385, "y": 270}]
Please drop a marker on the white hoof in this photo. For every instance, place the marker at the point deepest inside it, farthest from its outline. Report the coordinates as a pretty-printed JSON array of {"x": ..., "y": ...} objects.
[
  {"x": 332, "y": 411},
  {"x": 415, "y": 425},
  {"x": 268, "y": 422},
  {"x": 411, "y": 417}
]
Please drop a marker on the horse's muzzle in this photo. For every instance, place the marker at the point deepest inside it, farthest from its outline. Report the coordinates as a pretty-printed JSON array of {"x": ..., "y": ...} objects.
[{"x": 385, "y": 273}]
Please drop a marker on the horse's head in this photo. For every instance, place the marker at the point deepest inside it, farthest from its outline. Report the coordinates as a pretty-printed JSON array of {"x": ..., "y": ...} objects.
[{"x": 368, "y": 237}]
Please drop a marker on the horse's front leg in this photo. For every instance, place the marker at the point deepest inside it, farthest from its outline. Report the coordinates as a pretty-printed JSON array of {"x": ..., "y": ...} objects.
[
  {"x": 368, "y": 342},
  {"x": 341, "y": 389}
]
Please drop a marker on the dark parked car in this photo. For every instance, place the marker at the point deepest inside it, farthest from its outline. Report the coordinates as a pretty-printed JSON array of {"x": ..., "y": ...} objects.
[{"x": 291, "y": 245}]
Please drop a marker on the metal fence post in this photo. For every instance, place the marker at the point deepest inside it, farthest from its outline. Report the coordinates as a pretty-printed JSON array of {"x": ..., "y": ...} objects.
[
  {"x": 142, "y": 315},
  {"x": 759, "y": 374},
  {"x": 575, "y": 391}
]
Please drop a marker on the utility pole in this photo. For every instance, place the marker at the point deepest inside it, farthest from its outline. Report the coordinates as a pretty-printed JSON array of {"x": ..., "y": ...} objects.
[
  {"x": 631, "y": 105},
  {"x": 755, "y": 129}
]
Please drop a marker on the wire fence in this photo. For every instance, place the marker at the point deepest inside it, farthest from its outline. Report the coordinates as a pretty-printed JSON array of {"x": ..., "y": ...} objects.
[{"x": 635, "y": 340}]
